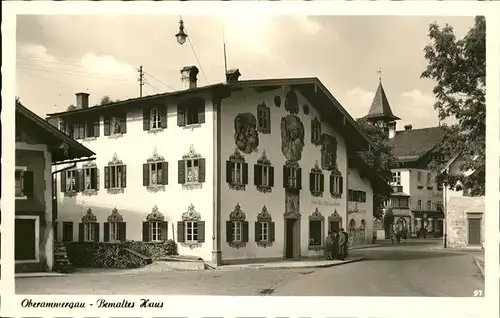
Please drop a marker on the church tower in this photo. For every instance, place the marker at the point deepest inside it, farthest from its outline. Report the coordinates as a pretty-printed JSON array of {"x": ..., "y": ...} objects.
[{"x": 380, "y": 112}]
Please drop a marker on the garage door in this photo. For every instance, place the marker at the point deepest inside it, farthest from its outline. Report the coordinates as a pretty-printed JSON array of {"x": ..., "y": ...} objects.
[{"x": 474, "y": 229}]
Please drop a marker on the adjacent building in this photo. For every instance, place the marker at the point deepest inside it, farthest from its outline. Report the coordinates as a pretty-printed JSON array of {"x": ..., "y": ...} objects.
[
  {"x": 38, "y": 146},
  {"x": 234, "y": 172},
  {"x": 417, "y": 199}
]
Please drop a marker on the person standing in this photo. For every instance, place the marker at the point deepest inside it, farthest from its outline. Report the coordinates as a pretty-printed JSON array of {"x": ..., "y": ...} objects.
[
  {"x": 342, "y": 242},
  {"x": 329, "y": 246}
]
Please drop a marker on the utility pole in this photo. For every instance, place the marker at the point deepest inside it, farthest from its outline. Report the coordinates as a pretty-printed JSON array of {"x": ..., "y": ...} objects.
[{"x": 141, "y": 80}]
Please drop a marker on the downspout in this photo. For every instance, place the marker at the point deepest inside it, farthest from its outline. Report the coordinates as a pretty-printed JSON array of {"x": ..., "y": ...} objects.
[{"x": 445, "y": 212}]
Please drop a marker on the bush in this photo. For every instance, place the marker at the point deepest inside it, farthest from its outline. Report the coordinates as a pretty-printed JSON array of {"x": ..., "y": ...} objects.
[
  {"x": 155, "y": 250},
  {"x": 102, "y": 255}
]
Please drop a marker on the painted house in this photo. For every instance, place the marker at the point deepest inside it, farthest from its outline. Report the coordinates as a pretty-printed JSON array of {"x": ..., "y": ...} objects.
[
  {"x": 38, "y": 146},
  {"x": 417, "y": 200},
  {"x": 464, "y": 213},
  {"x": 234, "y": 172}
]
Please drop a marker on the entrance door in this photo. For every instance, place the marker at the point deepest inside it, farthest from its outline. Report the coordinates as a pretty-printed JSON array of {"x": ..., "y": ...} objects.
[
  {"x": 474, "y": 231},
  {"x": 25, "y": 240},
  {"x": 290, "y": 227}
]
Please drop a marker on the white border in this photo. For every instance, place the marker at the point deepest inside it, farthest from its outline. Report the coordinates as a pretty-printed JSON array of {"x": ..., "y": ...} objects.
[
  {"x": 37, "y": 238},
  {"x": 262, "y": 306}
]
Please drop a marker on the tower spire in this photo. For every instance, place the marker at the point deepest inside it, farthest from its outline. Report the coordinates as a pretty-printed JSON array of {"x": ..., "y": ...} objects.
[{"x": 379, "y": 71}]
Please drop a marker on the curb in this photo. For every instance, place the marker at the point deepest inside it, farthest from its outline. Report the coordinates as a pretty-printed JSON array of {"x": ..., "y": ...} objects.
[
  {"x": 37, "y": 275},
  {"x": 481, "y": 269},
  {"x": 364, "y": 247},
  {"x": 354, "y": 260}
]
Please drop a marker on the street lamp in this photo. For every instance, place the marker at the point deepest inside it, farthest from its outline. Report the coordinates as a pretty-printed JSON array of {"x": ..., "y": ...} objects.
[{"x": 181, "y": 35}]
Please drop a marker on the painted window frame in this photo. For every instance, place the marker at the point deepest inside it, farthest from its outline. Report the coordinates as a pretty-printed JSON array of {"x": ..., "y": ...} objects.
[
  {"x": 336, "y": 184},
  {"x": 154, "y": 168},
  {"x": 237, "y": 228},
  {"x": 316, "y": 181},
  {"x": 263, "y": 174},
  {"x": 155, "y": 228},
  {"x": 196, "y": 170},
  {"x": 89, "y": 232},
  {"x": 264, "y": 228},
  {"x": 237, "y": 174},
  {"x": 263, "y": 119},
  {"x": 191, "y": 223},
  {"x": 37, "y": 238},
  {"x": 114, "y": 232},
  {"x": 115, "y": 176},
  {"x": 316, "y": 216},
  {"x": 316, "y": 131},
  {"x": 21, "y": 169}
]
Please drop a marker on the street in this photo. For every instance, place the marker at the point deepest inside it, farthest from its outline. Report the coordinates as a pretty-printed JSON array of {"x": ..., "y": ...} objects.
[{"x": 408, "y": 269}]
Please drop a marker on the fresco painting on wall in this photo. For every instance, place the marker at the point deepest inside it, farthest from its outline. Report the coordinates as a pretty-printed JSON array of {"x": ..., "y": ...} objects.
[
  {"x": 292, "y": 137},
  {"x": 292, "y": 205},
  {"x": 245, "y": 132},
  {"x": 328, "y": 152},
  {"x": 292, "y": 103}
]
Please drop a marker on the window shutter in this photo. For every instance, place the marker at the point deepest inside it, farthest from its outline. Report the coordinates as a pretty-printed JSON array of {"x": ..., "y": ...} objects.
[
  {"x": 28, "y": 183},
  {"x": 271, "y": 231},
  {"x": 285, "y": 177},
  {"x": 201, "y": 231},
  {"x": 299, "y": 178},
  {"x": 311, "y": 182},
  {"x": 180, "y": 116},
  {"x": 94, "y": 178},
  {"x": 123, "y": 124},
  {"x": 245, "y": 231},
  {"x": 257, "y": 175},
  {"x": 80, "y": 232},
  {"x": 97, "y": 126},
  {"x": 312, "y": 132},
  {"x": 145, "y": 174},
  {"x": 229, "y": 171},
  {"x": 163, "y": 117},
  {"x": 202, "y": 170},
  {"x": 201, "y": 113},
  {"x": 322, "y": 182},
  {"x": 180, "y": 232},
  {"x": 124, "y": 176},
  {"x": 331, "y": 183},
  {"x": 164, "y": 230},
  {"x": 268, "y": 120},
  {"x": 145, "y": 119},
  {"x": 122, "y": 231},
  {"x": 341, "y": 185},
  {"x": 229, "y": 231},
  {"x": 106, "y": 177},
  {"x": 164, "y": 168},
  {"x": 181, "y": 172},
  {"x": 106, "y": 232},
  {"x": 80, "y": 180},
  {"x": 96, "y": 232},
  {"x": 63, "y": 181},
  {"x": 145, "y": 232},
  {"x": 271, "y": 176},
  {"x": 257, "y": 231},
  {"x": 245, "y": 173}
]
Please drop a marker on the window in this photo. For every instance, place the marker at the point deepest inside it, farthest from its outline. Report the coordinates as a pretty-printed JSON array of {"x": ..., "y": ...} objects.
[
  {"x": 263, "y": 174},
  {"x": 114, "y": 231},
  {"x": 117, "y": 176},
  {"x": 315, "y": 233},
  {"x": 429, "y": 203},
  {"x": 429, "y": 180},
  {"x": 419, "y": 205},
  {"x": 356, "y": 196},
  {"x": 419, "y": 176},
  {"x": 89, "y": 232},
  {"x": 191, "y": 231},
  {"x": 23, "y": 183},
  {"x": 315, "y": 131},
  {"x": 71, "y": 184},
  {"x": 400, "y": 202},
  {"x": 154, "y": 231},
  {"x": 237, "y": 172},
  {"x": 154, "y": 118},
  {"x": 316, "y": 181},
  {"x": 439, "y": 205},
  {"x": 86, "y": 129},
  {"x": 115, "y": 125},
  {"x": 155, "y": 173},
  {"x": 336, "y": 184},
  {"x": 264, "y": 231},
  {"x": 191, "y": 170},
  {"x": 396, "y": 178},
  {"x": 264, "y": 119},
  {"x": 292, "y": 177},
  {"x": 67, "y": 232},
  {"x": 91, "y": 178},
  {"x": 236, "y": 230},
  {"x": 264, "y": 228},
  {"x": 191, "y": 112}
]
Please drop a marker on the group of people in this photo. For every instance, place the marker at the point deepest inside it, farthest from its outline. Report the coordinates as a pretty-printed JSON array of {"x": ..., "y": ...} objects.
[
  {"x": 336, "y": 245},
  {"x": 399, "y": 235}
]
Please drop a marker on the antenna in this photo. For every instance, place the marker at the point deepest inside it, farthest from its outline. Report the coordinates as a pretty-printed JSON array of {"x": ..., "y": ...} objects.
[{"x": 225, "y": 56}]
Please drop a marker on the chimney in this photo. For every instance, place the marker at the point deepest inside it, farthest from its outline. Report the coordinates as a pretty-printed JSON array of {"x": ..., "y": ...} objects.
[
  {"x": 232, "y": 75},
  {"x": 391, "y": 127},
  {"x": 189, "y": 77},
  {"x": 82, "y": 100},
  {"x": 408, "y": 127}
]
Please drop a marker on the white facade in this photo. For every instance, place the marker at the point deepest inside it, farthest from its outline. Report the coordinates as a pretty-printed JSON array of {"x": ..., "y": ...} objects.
[{"x": 360, "y": 214}]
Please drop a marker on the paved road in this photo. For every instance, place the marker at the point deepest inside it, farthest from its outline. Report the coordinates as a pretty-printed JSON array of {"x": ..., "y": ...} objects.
[{"x": 393, "y": 270}]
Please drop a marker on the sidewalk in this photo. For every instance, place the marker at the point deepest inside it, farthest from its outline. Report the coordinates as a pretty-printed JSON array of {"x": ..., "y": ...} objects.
[
  {"x": 479, "y": 260},
  {"x": 290, "y": 264}
]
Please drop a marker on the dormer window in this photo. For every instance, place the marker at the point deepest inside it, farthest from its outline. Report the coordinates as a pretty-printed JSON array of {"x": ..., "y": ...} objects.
[
  {"x": 154, "y": 118},
  {"x": 191, "y": 112}
]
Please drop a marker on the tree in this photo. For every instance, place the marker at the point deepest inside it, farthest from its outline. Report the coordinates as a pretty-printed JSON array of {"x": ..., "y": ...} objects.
[
  {"x": 105, "y": 100},
  {"x": 380, "y": 158},
  {"x": 71, "y": 108},
  {"x": 459, "y": 68}
]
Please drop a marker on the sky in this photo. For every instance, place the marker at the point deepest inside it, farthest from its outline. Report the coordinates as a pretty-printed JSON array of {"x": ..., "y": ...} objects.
[{"x": 60, "y": 55}]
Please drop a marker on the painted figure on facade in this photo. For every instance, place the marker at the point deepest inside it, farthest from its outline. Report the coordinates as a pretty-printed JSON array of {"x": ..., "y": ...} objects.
[
  {"x": 245, "y": 132},
  {"x": 292, "y": 204},
  {"x": 328, "y": 152},
  {"x": 292, "y": 103},
  {"x": 292, "y": 137}
]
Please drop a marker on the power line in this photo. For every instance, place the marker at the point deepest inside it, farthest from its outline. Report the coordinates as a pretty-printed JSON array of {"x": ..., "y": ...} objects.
[
  {"x": 41, "y": 68},
  {"x": 146, "y": 73},
  {"x": 152, "y": 86},
  {"x": 196, "y": 56}
]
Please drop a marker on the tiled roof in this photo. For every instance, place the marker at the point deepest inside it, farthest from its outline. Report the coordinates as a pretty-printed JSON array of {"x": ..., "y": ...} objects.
[
  {"x": 411, "y": 145},
  {"x": 380, "y": 107}
]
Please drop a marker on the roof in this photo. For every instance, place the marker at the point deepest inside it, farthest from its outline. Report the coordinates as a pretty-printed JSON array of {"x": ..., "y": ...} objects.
[
  {"x": 380, "y": 108},
  {"x": 411, "y": 145},
  {"x": 53, "y": 136},
  {"x": 312, "y": 89}
]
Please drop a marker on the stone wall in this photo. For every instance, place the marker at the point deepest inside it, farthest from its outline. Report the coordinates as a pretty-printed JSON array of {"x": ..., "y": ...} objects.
[{"x": 459, "y": 209}]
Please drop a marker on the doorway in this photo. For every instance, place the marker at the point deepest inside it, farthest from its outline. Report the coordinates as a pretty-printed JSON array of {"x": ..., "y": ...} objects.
[
  {"x": 474, "y": 230},
  {"x": 290, "y": 240}
]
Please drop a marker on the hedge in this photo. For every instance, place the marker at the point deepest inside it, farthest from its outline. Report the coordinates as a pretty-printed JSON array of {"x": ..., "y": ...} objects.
[{"x": 115, "y": 255}]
